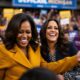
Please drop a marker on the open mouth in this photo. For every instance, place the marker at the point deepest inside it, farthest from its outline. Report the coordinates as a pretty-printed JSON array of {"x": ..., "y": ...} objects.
[
  {"x": 24, "y": 40},
  {"x": 52, "y": 34}
]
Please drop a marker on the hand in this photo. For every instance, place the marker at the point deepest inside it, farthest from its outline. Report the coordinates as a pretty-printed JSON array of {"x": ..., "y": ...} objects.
[
  {"x": 61, "y": 77},
  {"x": 78, "y": 56}
]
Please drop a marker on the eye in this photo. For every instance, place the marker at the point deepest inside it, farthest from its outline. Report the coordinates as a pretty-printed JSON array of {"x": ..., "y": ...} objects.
[
  {"x": 20, "y": 32},
  {"x": 49, "y": 27},
  {"x": 28, "y": 32},
  {"x": 55, "y": 27}
]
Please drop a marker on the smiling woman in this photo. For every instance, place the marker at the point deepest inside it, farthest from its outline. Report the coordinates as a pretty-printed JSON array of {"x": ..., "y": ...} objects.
[
  {"x": 24, "y": 34},
  {"x": 52, "y": 31}
]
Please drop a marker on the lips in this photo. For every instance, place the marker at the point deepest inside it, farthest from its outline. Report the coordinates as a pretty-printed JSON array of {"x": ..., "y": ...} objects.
[
  {"x": 52, "y": 34},
  {"x": 23, "y": 40}
]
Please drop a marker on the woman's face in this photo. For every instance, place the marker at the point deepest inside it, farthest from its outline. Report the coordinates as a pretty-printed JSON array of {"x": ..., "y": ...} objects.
[
  {"x": 24, "y": 34},
  {"x": 52, "y": 32}
]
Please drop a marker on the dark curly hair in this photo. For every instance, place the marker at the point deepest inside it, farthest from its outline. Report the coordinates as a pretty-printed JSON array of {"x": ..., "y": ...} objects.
[
  {"x": 61, "y": 44},
  {"x": 13, "y": 29}
]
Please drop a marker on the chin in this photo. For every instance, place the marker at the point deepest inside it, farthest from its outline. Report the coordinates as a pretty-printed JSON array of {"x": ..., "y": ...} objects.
[
  {"x": 53, "y": 39},
  {"x": 23, "y": 46}
]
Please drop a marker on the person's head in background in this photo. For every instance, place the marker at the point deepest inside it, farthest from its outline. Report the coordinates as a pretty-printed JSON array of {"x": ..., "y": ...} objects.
[
  {"x": 39, "y": 73},
  {"x": 21, "y": 30},
  {"x": 66, "y": 35},
  {"x": 79, "y": 30}
]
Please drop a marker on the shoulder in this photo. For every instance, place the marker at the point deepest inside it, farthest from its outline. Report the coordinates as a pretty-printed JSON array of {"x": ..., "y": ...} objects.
[
  {"x": 38, "y": 48},
  {"x": 2, "y": 46},
  {"x": 5, "y": 51},
  {"x": 72, "y": 45},
  {"x": 72, "y": 48}
]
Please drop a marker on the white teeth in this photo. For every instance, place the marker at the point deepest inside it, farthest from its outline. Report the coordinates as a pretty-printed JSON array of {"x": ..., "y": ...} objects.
[
  {"x": 23, "y": 40},
  {"x": 52, "y": 34}
]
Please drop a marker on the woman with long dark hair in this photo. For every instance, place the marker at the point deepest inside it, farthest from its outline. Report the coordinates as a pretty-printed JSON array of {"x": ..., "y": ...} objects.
[{"x": 54, "y": 44}]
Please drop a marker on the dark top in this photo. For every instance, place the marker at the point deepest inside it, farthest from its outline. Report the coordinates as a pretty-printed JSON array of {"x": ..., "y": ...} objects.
[{"x": 60, "y": 54}]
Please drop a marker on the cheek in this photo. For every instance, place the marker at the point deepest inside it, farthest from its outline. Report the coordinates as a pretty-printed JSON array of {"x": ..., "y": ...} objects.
[
  {"x": 57, "y": 36},
  {"x": 46, "y": 35},
  {"x": 47, "y": 32},
  {"x": 19, "y": 36},
  {"x": 29, "y": 36},
  {"x": 57, "y": 33}
]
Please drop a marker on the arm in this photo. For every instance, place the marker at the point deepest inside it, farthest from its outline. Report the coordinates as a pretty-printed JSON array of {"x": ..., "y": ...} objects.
[
  {"x": 5, "y": 63},
  {"x": 61, "y": 66}
]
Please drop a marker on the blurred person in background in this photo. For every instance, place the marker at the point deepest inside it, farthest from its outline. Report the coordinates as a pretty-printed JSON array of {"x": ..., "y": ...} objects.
[
  {"x": 72, "y": 32},
  {"x": 76, "y": 39},
  {"x": 39, "y": 73},
  {"x": 3, "y": 20},
  {"x": 55, "y": 43},
  {"x": 53, "y": 15},
  {"x": 20, "y": 50}
]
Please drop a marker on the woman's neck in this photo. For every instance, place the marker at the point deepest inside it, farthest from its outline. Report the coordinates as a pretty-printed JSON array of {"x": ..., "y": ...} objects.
[
  {"x": 24, "y": 50},
  {"x": 51, "y": 48}
]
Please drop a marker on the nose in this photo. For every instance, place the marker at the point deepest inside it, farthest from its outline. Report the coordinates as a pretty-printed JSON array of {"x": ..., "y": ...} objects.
[
  {"x": 24, "y": 35},
  {"x": 53, "y": 29}
]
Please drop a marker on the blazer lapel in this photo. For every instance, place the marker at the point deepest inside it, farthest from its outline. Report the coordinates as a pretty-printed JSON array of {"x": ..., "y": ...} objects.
[
  {"x": 34, "y": 57},
  {"x": 21, "y": 58},
  {"x": 17, "y": 55}
]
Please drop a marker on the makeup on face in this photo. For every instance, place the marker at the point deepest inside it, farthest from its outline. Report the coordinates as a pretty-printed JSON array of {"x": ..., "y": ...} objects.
[
  {"x": 52, "y": 31},
  {"x": 24, "y": 34}
]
